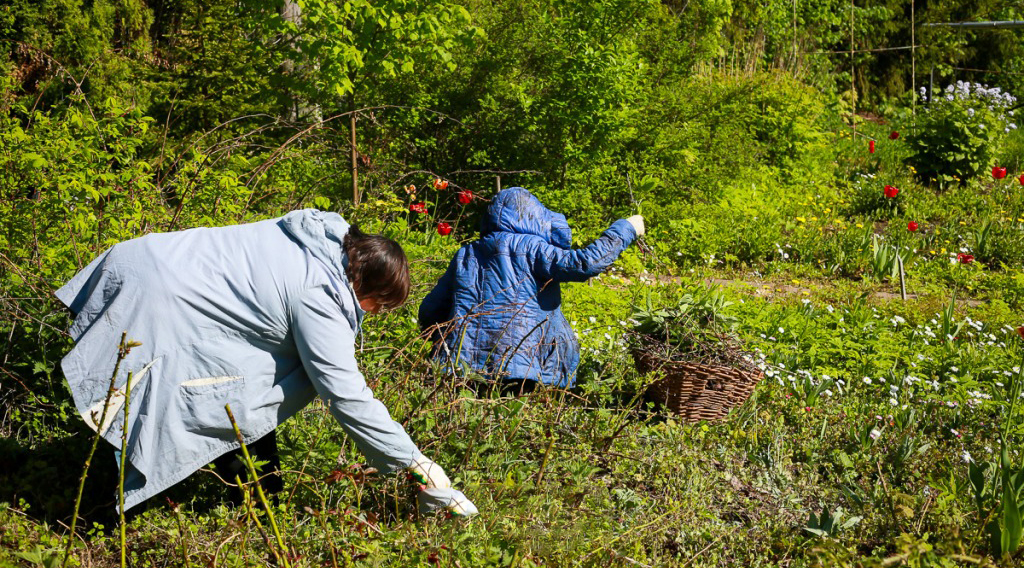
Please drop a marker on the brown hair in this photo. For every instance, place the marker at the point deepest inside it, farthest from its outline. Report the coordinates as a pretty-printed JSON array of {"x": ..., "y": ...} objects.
[{"x": 377, "y": 268}]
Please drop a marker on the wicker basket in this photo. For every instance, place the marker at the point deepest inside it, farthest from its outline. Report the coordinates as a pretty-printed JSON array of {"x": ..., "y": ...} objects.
[{"x": 694, "y": 391}]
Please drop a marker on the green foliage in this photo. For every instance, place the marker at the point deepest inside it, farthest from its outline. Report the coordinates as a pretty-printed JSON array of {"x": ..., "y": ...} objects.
[
  {"x": 830, "y": 523},
  {"x": 701, "y": 315},
  {"x": 959, "y": 131},
  {"x": 335, "y": 47}
]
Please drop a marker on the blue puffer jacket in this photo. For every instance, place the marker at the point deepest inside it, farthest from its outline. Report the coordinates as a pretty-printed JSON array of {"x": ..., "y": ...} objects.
[{"x": 498, "y": 304}]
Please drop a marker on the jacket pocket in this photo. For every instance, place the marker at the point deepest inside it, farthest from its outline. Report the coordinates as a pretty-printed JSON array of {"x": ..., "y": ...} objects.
[
  {"x": 212, "y": 384},
  {"x": 201, "y": 404}
]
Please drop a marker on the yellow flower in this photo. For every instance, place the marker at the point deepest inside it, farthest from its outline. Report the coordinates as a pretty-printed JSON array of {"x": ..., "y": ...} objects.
[
  {"x": 860, "y": 225},
  {"x": 964, "y": 223},
  {"x": 943, "y": 250},
  {"x": 931, "y": 252},
  {"x": 801, "y": 219},
  {"x": 814, "y": 218}
]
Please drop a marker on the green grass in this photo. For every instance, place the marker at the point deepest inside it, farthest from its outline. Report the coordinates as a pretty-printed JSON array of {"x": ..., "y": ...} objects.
[{"x": 622, "y": 483}]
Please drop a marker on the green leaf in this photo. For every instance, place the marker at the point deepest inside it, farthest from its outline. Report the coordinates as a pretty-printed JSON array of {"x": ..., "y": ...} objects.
[
  {"x": 33, "y": 160},
  {"x": 1011, "y": 519}
]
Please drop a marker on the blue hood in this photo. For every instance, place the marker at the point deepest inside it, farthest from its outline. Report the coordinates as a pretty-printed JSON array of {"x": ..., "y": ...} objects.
[{"x": 516, "y": 210}]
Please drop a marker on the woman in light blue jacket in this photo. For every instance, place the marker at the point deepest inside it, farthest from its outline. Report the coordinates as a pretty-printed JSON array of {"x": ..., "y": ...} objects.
[{"x": 260, "y": 316}]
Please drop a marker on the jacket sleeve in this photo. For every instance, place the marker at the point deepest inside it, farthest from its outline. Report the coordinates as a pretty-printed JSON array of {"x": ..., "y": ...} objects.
[
  {"x": 326, "y": 345},
  {"x": 577, "y": 265},
  {"x": 437, "y": 305}
]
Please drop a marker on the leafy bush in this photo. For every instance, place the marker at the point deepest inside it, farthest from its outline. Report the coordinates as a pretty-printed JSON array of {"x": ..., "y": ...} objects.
[{"x": 959, "y": 131}]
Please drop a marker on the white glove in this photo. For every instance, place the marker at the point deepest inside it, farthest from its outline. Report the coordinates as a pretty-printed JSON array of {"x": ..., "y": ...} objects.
[
  {"x": 436, "y": 489},
  {"x": 429, "y": 474},
  {"x": 638, "y": 224}
]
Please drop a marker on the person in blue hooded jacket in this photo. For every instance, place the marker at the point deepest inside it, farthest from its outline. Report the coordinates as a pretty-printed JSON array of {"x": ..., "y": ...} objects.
[
  {"x": 497, "y": 308},
  {"x": 261, "y": 316}
]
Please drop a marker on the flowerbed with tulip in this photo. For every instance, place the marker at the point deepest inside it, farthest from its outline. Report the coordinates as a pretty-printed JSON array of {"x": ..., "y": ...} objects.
[{"x": 886, "y": 431}]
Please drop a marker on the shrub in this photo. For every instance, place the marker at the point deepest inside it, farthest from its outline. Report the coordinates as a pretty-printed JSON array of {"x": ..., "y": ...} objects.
[{"x": 959, "y": 131}]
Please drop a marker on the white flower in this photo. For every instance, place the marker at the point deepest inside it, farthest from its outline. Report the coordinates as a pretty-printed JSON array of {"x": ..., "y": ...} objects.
[
  {"x": 966, "y": 456},
  {"x": 781, "y": 330},
  {"x": 867, "y": 380},
  {"x": 875, "y": 433},
  {"x": 592, "y": 319}
]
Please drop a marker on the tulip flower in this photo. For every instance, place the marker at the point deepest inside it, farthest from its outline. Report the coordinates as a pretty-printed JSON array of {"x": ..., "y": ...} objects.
[
  {"x": 1022, "y": 179},
  {"x": 440, "y": 183},
  {"x": 444, "y": 229},
  {"x": 465, "y": 196},
  {"x": 965, "y": 258},
  {"x": 1020, "y": 331},
  {"x": 998, "y": 173},
  {"x": 891, "y": 191},
  {"x": 912, "y": 227},
  {"x": 871, "y": 146},
  {"x": 894, "y": 135},
  {"x": 418, "y": 207}
]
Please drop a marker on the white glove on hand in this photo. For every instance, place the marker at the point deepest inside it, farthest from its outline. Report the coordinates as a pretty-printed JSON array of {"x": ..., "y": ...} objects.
[
  {"x": 436, "y": 489},
  {"x": 638, "y": 224},
  {"x": 429, "y": 473}
]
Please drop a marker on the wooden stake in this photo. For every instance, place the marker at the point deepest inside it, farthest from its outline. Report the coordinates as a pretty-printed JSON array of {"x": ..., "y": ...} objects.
[
  {"x": 355, "y": 161},
  {"x": 853, "y": 78},
  {"x": 913, "y": 62}
]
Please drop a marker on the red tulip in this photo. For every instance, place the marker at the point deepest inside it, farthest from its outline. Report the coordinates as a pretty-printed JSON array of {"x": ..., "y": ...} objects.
[
  {"x": 891, "y": 191},
  {"x": 418, "y": 207},
  {"x": 894, "y": 135},
  {"x": 965, "y": 258},
  {"x": 912, "y": 227},
  {"x": 1020, "y": 331},
  {"x": 1022, "y": 179},
  {"x": 998, "y": 173},
  {"x": 465, "y": 196},
  {"x": 440, "y": 183},
  {"x": 871, "y": 146},
  {"x": 444, "y": 229}
]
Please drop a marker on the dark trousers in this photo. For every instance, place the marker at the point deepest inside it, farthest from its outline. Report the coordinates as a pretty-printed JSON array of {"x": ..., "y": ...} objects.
[
  {"x": 504, "y": 387},
  {"x": 232, "y": 464}
]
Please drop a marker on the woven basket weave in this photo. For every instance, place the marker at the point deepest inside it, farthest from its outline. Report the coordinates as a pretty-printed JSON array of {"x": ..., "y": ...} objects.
[{"x": 694, "y": 391}]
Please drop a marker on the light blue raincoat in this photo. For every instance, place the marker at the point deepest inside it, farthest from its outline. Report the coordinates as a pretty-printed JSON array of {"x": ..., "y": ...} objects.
[{"x": 258, "y": 316}]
